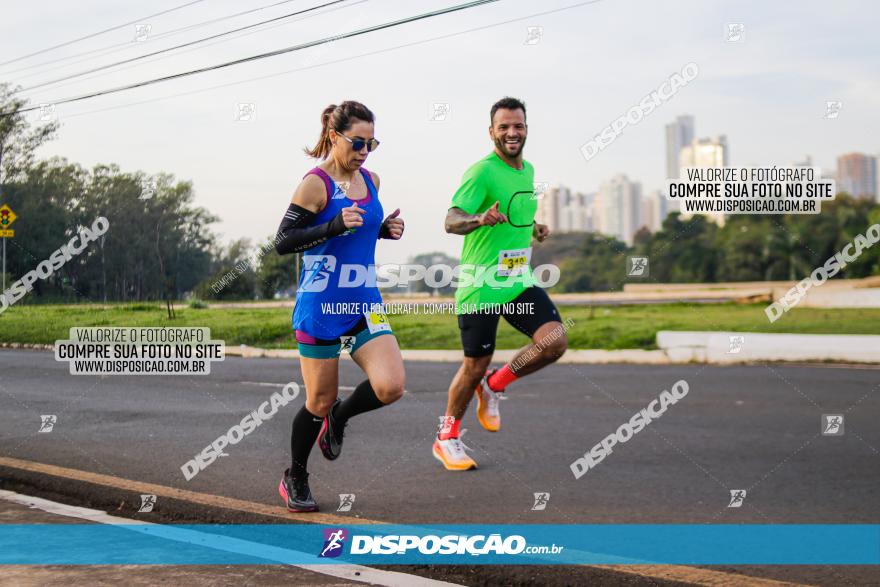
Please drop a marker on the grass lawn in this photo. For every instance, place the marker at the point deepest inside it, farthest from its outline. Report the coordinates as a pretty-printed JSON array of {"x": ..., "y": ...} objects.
[{"x": 602, "y": 327}]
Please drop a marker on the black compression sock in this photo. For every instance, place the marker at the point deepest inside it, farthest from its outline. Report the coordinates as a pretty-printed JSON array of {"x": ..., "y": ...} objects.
[
  {"x": 306, "y": 427},
  {"x": 363, "y": 399}
]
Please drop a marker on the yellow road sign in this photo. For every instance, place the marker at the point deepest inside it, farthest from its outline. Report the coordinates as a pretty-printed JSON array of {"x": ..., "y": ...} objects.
[
  {"x": 7, "y": 233},
  {"x": 7, "y": 217}
]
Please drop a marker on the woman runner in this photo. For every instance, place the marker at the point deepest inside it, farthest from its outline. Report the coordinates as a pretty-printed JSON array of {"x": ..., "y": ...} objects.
[{"x": 334, "y": 219}]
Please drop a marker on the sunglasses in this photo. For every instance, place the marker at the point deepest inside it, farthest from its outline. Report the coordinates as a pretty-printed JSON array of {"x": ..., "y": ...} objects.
[{"x": 359, "y": 144}]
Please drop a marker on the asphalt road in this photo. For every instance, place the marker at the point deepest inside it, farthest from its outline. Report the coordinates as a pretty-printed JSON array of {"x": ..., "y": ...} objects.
[{"x": 743, "y": 427}]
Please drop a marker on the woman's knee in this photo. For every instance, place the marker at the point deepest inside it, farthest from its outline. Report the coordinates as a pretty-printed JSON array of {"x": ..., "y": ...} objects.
[
  {"x": 320, "y": 405},
  {"x": 388, "y": 390}
]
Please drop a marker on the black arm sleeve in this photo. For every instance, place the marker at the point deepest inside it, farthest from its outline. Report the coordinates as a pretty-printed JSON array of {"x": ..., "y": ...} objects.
[
  {"x": 384, "y": 231},
  {"x": 294, "y": 234}
]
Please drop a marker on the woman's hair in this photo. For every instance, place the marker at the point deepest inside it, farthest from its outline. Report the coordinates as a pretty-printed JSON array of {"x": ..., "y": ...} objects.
[{"x": 339, "y": 118}]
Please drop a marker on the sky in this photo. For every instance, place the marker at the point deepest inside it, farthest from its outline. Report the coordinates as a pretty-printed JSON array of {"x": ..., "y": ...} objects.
[{"x": 592, "y": 62}]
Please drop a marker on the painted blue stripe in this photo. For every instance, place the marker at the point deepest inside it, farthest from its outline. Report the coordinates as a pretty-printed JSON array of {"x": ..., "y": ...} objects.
[{"x": 747, "y": 544}]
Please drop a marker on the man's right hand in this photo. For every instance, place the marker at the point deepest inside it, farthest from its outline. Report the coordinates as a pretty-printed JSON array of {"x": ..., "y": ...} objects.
[{"x": 492, "y": 216}]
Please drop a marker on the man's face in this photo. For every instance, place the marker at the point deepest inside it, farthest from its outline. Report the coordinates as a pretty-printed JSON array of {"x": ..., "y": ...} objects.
[{"x": 509, "y": 131}]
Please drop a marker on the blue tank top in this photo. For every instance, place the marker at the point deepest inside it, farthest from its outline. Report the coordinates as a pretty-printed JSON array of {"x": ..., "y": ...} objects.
[{"x": 324, "y": 308}]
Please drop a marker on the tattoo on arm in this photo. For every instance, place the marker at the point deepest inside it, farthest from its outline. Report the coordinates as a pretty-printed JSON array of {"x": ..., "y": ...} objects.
[{"x": 460, "y": 222}]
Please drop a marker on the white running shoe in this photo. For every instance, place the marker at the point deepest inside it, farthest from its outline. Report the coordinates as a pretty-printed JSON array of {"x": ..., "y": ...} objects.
[
  {"x": 451, "y": 452},
  {"x": 487, "y": 404}
]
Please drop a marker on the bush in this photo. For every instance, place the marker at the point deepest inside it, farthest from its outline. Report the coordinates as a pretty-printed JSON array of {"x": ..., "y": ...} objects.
[{"x": 197, "y": 304}]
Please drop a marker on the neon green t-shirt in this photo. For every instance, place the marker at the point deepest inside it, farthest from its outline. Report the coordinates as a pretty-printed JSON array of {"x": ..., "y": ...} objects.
[{"x": 497, "y": 256}]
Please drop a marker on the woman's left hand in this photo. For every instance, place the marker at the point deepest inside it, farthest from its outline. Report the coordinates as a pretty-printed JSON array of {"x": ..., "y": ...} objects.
[{"x": 394, "y": 224}]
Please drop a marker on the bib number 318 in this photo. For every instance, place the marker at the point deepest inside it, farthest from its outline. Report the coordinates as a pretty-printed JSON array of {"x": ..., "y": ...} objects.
[{"x": 514, "y": 261}]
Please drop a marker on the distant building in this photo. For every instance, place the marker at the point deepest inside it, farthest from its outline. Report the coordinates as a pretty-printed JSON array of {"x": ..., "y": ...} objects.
[
  {"x": 548, "y": 209},
  {"x": 678, "y": 135},
  {"x": 564, "y": 211},
  {"x": 568, "y": 216},
  {"x": 857, "y": 175},
  {"x": 586, "y": 207},
  {"x": 807, "y": 162},
  {"x": 655, "y": 209},
  {"x": 706, "y": 153},
  {"x": 618, "y": 208}
]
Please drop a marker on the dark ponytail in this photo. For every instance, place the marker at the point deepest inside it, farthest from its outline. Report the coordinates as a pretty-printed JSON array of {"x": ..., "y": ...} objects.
[{"x": 339, "y": 118}]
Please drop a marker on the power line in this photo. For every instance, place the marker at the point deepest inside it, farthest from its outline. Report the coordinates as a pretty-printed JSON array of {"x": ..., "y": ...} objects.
[
  {"x": 257, "y": 57},
  {"x": 65, "y": 44},
  {"x": 116, "y": 47},
  {"x": 333, "y": 62},
  {"x": 182, "y": 45},
  {"x": 31, "y": 98}
]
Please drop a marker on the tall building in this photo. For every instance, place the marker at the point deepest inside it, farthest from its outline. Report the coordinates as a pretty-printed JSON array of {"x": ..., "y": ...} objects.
[
  {"x": 655, "y": 209},
  {"x": 618, "y": 208},
  {"x": 706, "y": 152},
  {"x": 857, "y": 175},
  {"x": 585, "y": 205},
  {"x": 548, "y": 209},
  {"x": 565, "y": 211},
  {"x": 678, "y": 135}
]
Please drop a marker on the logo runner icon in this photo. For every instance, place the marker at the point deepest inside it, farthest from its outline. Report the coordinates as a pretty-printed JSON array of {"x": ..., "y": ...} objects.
[
  {"x": 47, "y": 423},
  {"x": 737, "y": 496},
  {"x": 148, "y": 502},
  {"x": 346, "y": 500},
  {"x": 541, "y": 500},
  {"x": 638, "y": 266},
  {"x": 832, "y": 424},
  {"x": 316, "y": 272},
  {"x": 334, "y": 541}
]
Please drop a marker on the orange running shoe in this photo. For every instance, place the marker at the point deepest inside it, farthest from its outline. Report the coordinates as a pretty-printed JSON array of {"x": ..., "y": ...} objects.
[
  {"x": 451, "y": 452},
  {"x": 487, "y": 404}
]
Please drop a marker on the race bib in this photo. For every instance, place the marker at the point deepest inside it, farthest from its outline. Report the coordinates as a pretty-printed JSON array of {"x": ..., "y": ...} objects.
[
  {"x": 377, "y": 322},
  {"x": 514, "y": 261}
]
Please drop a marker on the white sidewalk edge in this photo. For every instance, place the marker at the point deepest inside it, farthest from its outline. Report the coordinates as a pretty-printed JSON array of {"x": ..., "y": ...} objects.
[{"x": 357, "y": 573}]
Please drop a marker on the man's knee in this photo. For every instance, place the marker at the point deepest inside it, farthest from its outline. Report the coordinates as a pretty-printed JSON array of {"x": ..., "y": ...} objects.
[
  {"x": 475, "y": 367},
  {"x": 551, "y": 341},
  {"x": 555, "y": 348}
]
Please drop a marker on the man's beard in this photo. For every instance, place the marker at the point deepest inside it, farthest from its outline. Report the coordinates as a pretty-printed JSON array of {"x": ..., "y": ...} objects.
[{"x": 502, "y": 146}]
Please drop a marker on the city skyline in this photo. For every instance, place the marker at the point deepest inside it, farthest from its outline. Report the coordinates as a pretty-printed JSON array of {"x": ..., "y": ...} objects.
[{"x": 621, "y": 207}]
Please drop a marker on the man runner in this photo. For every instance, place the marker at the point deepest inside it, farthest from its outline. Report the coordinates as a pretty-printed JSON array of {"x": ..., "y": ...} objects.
[{"x": 495, "y": 208}]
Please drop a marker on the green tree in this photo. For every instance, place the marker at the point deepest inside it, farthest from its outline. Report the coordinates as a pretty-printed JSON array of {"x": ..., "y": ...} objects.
[
  {"x": 232, "y": 274},
  {"x": 683, "y": 251},
  {"x": 18, "y": 139},
  {"x": 275, "y": 273},
  {"x": 599, "y": 266}
]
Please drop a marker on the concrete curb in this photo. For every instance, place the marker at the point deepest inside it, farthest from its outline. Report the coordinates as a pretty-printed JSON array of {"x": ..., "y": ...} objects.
[
  {"x": 728, "y": 348},
  {"x": 27, "y": 345}
]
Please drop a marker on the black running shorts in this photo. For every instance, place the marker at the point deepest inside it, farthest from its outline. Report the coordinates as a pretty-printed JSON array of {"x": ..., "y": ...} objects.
[{"x": 527, "y": 312}]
